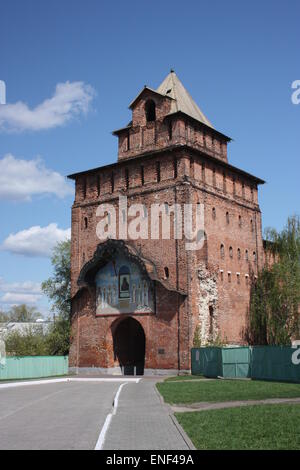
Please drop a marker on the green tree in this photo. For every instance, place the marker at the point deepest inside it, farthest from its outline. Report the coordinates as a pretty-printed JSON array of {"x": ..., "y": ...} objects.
[
  {"x": 3, "y": 317},
  {"x": 58, "y": 289},
  {"x": 23, "y": 313},
  {"x": 196, "y": 338},
  {"x": 20, "y": 313},
  {"x": 28, "y": 343},
  {"x": 56, "y": 341},
  {"x": 58, "y": 338},
  {"x": 275, "y": 294}
]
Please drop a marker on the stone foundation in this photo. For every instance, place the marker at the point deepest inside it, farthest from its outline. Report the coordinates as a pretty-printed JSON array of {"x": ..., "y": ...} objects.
[{"x": 91, "y": 371}]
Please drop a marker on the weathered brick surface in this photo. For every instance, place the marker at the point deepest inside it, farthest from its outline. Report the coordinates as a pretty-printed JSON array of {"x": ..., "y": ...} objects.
[{"x": 193, "y": 169}]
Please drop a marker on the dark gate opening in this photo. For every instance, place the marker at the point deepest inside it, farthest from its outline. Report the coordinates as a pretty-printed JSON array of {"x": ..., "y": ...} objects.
[{"x": 129, "y": 346}]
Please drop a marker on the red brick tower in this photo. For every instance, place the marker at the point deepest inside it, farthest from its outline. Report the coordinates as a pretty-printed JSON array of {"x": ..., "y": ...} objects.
[{"x": 136, "y": 302}]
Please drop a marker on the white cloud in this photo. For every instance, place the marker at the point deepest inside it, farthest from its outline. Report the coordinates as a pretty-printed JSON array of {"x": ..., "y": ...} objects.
[
  {"x": 26, "y": 287},
  {"x": 28, "y": 292},
  {"x": 21, "y": 179},
  {"x": 68, "y": 101},
  {"x": 35, "y": 241},
  {"x": 14, "y": 299}
]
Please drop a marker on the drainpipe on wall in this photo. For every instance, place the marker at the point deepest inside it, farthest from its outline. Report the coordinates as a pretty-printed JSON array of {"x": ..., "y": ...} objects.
[
  {"x": 188, "y": 259},
  {"x": 256, "y": 244},
  {"x": 177, "y": 288},
  {"x": 77, "y": 346}
]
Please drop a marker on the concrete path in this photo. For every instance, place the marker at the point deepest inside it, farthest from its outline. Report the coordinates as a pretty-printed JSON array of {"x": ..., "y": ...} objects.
[
  {"x": 65, "y": 415},
  {"x": 202, "y": 406},
  {"x": 144, "y": 422},
  {"x": 190, "y": 380},
  {"x": 87, "y": 413}
]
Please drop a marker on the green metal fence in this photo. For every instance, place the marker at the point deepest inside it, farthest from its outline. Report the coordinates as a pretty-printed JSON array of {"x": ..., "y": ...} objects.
[
  {"x": 236, "y": 362},
  {"x": 221, "y": 362},
  {"x": 207, "y": 361},
  {"x": 257, "y": 362},
  {"x": 274, "y": 363},
  {"x": 33, "y": 367}
]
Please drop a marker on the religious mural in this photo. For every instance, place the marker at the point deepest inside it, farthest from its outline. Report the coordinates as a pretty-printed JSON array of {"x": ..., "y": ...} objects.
[{"x": 121, "y": 287}]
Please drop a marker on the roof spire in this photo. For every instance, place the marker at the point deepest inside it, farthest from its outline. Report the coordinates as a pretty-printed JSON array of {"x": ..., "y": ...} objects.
[{"x": 182, "y": 100}]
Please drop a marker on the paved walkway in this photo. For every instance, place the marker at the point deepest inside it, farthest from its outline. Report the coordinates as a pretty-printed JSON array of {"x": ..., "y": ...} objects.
[
  {"x": 87, "y": 413},
  {"x": 202, "y": 406},
  {"x": 144, "y": 422},
  {"x": 189, "y": 380},
  {"x": 55, "y": 415}
]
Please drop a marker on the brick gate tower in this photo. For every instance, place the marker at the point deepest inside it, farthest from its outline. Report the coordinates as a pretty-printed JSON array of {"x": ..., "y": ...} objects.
[{"x": 138, "y": 302}]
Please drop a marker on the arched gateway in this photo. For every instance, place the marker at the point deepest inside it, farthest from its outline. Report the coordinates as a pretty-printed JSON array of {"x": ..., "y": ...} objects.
[
  {"x": 129, "y": 346},
  {"x": 115, "y": 314}
]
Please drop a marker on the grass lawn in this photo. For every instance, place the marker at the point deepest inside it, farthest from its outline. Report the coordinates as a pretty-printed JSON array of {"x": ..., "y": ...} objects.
[
  {"x": 225, "y": 390},
  {"x": 184, "y": 377},
  {"x": 252, "y": 427}
]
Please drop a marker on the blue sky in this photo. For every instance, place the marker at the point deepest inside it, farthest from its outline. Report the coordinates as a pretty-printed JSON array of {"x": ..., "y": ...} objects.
[{"x": 237, "y": 59}]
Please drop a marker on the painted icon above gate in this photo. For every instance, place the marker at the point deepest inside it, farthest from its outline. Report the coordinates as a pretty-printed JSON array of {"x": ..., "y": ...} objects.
[{"x": 121, "y": 287}]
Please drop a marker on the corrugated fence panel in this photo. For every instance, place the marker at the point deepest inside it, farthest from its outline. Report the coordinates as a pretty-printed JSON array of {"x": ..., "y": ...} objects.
[
  {"x": 206, "y": 361},
  {"x": 223, "y": 362},
  {"x": 236, "y": 362},
  {"x": 33, "y": 367},
  {"x": 197, "y": 356},
  {"x": 212, "y": 362},
  {"x": 256, "y": 362},
  {"x": 274, "y": 363}
]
